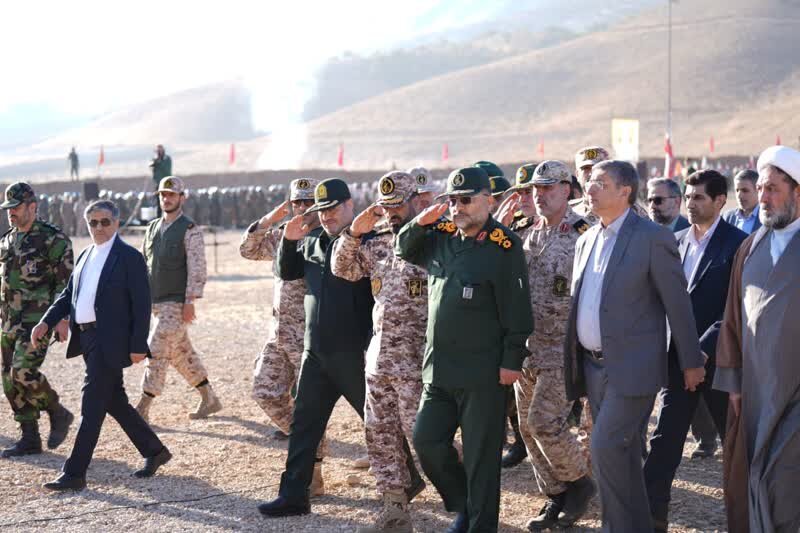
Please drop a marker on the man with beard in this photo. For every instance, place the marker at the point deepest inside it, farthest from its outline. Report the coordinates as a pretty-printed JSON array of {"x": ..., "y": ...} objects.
[
  {"x": 707, "y": 248},
  {"x": 176, "y": 263},
  {"x": 757, "y": 359},
  {"x": 479, "y": 316},
  {"x": 394, "y": 356},
  {"x": 664, "y": 204}
]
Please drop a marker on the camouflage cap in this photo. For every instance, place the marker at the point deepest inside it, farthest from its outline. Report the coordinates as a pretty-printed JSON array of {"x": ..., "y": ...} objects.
[
  {"x": 423, "y": 178},
  {"x": 302, "y": 189},
  {"x": 524, "y": 176},
  {"x": 590, "y": 156},
  {"x": 395, "y": 188},
  {"x": 491, "y": 169},
  {"x": 467, "y": 181},
  {"x": 498, "y": 185},
  {"x": 329, "y": 193},
  {"x": 550, "y": 172},
  {"x": 171, "y": 184},
  {"x": 18, "y": 193}
]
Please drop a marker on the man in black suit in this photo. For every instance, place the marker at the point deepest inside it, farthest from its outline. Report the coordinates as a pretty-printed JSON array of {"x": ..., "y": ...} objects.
[
  {"x": 664, "y": 204},
  {"x": 707, "y": 249},
  {"x": 107, "y": 300}
]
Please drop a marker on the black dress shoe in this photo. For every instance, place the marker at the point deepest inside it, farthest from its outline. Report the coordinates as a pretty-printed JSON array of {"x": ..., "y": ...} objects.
[
  {"x": 66, "y": 482},
  {"x": 576, "y": 502},
  {"x": 280, "y": 506},
  {"x": 460, "y": 524},
  {"x": 151, "y": 464}
]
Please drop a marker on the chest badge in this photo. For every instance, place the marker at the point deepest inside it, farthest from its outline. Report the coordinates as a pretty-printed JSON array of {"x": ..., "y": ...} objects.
[
  {"x": 415, "y": 287},
  {"x": 376, "y": 286},
  {"x": 466, "y": 294}
]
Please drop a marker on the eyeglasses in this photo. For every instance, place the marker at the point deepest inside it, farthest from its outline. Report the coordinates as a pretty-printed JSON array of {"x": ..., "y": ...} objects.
[
  {"x": 298, "y": 203},
  {"x": 463, "y": 200},
  {"x": 658, "y": 200},
  {"x": 596, "y": 183},
  {"x": 105, "y": 222}
]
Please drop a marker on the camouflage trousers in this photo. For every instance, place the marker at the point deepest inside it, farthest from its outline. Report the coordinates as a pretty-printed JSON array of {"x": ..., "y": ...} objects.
[
  {"x": 555, "y": 452},
  {"x": 27, "y": 389},
  {"x": 389, "y": 414},
  {"x": 170, "y": 345}
]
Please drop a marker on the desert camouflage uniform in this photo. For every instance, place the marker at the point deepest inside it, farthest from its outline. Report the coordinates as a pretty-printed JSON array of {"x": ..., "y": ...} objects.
[
  {"x": 169, "y": 339},
  {"x": 35, "y": 268},
  {"x": 394, "y": 356},
  {"x": 555, "y": 452},
  {"x": 278, "y": 364}
]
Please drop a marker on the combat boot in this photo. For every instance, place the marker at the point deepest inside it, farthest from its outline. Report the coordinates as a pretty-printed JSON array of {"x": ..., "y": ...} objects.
[
  {"x": 394, "y": 518},
  {"x": 60, "y": 420},
  {"x": 143, "y": 407},
  {"x": 548, "y": 515},
  {"x": 29, "y": 443},
  {"x": 516, "y": 452},
  {"x": 209, "y": 403},
  {"x": 317, "y": 487}
]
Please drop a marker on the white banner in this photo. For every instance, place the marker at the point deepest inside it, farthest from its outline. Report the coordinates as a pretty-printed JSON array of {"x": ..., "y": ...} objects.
[{"x": 625, "y": 139}]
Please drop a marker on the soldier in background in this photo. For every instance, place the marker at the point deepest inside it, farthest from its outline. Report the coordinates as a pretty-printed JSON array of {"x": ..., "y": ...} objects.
[
  {"x": 176, "y": 263},
  {"x": 425, "y": 186},
  {"x": 78, "y": 207},
  {"x": 55, "y": 211},
  {"x": 67, "y": 214},
  {"x": 74, "y": 165},
  {"x": 37, "y": 261},
  {"x": 394, "y": 355}
]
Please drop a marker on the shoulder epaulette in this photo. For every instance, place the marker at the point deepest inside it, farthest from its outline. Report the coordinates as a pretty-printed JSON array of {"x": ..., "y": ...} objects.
[
  {"x": 499, "y": 237},
  {"x": 523, "y": 223},
  {"x": 445, "y": 226},
  {"x": 581, "y": 226}
]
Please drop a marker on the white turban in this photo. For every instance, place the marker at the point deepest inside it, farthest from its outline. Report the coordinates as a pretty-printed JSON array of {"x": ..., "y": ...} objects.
[{"x": 785, "y": 158}]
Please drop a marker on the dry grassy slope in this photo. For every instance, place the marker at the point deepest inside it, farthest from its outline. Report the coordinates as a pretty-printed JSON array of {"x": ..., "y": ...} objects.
[{"x": 734, "y": 75}]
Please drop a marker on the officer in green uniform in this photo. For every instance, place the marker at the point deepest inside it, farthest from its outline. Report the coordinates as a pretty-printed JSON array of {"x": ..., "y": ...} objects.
[
  {"x": 338, "y": 330},
  {"x": 479, "y": 316},
  {"x": 36, "y": 262}
]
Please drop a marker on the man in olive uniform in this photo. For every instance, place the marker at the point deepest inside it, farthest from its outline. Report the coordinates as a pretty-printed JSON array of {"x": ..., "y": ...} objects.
[
  {"x": 559, "y": 462},
  {"x": 394, "y": 356},
  {"x": 161, "y": 165},
  {"x": 176, "y": 262},
  {"x": 36, "y": 261},
  {"x": 479, "y": 316}
]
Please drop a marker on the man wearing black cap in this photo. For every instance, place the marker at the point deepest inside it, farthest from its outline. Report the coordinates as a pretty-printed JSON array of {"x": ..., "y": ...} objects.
[
  {"x": 338, "y": 329},
  {"x": 479, "y": 316}
]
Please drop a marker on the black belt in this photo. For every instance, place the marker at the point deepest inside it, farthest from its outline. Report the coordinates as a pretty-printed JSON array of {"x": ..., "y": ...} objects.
[
  {"x": 597, "y": 356},
  {"x": 87, "y": 326}
]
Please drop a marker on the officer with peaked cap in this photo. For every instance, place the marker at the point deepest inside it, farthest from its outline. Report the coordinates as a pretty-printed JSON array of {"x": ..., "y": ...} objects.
[{"x": 425, "y": 185}]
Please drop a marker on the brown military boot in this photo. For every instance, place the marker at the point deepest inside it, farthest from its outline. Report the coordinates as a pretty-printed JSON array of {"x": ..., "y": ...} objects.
[
  {"x": 394, "y": 518},
  {"x": 317, "y": 487},
  {"x": 209, "y": 403},
  {"x": 143, "y": 407},
  {"x": 29, "y": 443}
]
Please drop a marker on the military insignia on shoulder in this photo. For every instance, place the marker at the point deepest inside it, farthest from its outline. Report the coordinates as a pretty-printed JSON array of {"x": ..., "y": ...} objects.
[
  {"x": 522, "y": 223},
  {"x": 498, "y": 236},
  {"x": 376, "y": 285},
  {"x": 415, "y": 286},
  {"x": 581, "y": 226},
  {"x": 446, "y": 226},
  {"x": 560, "y": 286}
]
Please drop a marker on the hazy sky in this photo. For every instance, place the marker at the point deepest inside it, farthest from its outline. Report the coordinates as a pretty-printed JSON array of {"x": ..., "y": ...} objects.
[{"x": 84, "y": 57}]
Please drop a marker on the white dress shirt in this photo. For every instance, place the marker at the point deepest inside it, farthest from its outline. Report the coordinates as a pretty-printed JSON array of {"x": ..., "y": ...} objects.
[
  {"x": 780, "y": 240},
  {"x": 588, "y": 325},
  {"x": 695, "y": 250},
  {"x": 88, "y": 276}
]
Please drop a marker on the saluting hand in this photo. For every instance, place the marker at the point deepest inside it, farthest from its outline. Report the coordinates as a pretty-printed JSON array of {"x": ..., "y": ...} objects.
[
  {"x": 692, "y": 377},
  {"x": 431, "y": 214},
  {"x": 366, "y": 220},
  {"x": 507, "y": 208},
  {"x": 277, "y": 214},
  {"x": 509, "y": 377},
  {"x": 296, "y": 229}
]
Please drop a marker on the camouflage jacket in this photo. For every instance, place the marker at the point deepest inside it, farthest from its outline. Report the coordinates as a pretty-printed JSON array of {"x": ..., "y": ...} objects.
[
  {"x": 400, "y": 290},
  {"x": 34, "y": 267},
  {"x": 288, "y": 314},
  {"x": 549, "y": 253}
]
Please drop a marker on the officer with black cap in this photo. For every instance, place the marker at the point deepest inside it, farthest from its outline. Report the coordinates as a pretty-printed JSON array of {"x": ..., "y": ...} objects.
[{"x": 479, "y": 316}]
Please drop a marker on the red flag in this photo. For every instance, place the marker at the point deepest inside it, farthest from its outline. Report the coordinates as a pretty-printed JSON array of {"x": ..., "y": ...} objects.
[
  {"x": 778, "y": 139},
  {"x": 711, "y": 144},
  {"x": 232, "y": 155},
  {"x": 445, "y": 152},
  {"x": 102, "y": 158},
  {"x": 668, "y": 157},
  {"x": 340, "y": 155},
  {"x": 541, "y": 149}
]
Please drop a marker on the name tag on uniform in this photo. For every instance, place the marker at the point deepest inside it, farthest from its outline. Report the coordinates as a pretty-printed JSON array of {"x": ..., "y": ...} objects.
[{"x": 466, "y": 294}]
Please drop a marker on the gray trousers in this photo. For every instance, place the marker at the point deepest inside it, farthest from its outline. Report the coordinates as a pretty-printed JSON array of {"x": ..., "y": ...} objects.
[{"x": 617, "y": 453}]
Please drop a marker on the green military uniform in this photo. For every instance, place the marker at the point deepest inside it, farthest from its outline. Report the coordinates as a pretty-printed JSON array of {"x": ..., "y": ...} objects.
[{"x": 479, "y": 317}]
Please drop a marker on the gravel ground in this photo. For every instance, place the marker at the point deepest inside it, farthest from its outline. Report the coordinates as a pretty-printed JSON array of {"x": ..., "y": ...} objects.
[{"x": 224, "y": 466}]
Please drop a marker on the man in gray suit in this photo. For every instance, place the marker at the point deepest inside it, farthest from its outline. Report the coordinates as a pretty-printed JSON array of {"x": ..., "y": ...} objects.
[{"x": 627, "y": 281}]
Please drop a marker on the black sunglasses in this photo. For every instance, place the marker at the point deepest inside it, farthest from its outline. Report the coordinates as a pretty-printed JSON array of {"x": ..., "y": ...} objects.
[
  {"x": 298, "y": 203},
  {"x": 463, "y": 200},
  {"x": 105, "y": 222},
  {"x": 658, "y": 200}
]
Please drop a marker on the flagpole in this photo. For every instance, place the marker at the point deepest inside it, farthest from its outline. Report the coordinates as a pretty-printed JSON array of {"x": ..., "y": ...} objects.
[{"x": 669, "y": 68}]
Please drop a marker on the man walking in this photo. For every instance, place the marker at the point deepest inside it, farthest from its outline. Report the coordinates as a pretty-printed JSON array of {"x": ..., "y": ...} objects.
[
  {"x": 176, "y": 263},
  {"x": 479, "y": 316},
  {"x": 107, "y": 300},
  {"x": 37, "y": 261}
]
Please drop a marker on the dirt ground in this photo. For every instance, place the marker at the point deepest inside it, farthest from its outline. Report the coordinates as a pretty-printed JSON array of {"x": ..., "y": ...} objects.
[{"x": 224, "y": 466}]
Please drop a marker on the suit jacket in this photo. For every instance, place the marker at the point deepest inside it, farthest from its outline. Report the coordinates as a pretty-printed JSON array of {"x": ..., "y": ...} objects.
[
  {"x": 122, "y": 306},
  {"x": 643, "y": 286},
  {"x": 709, "y": 287},
  {"x": 681, "y": 224},
  {"x": 730, "y": 217}
]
